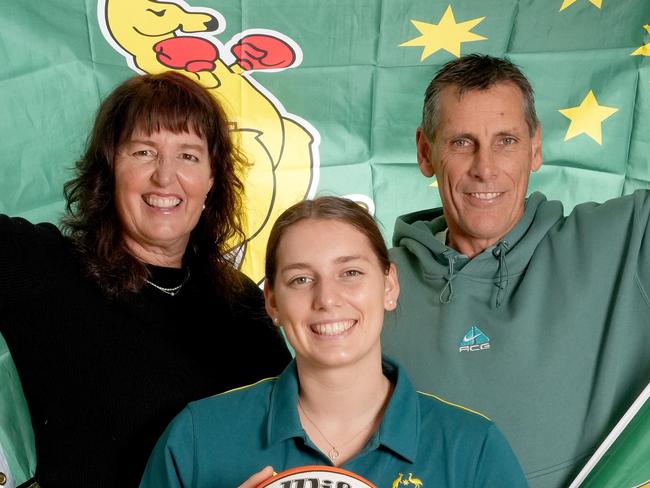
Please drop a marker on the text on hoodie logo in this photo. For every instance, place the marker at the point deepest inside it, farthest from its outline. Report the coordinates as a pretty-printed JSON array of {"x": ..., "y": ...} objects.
[{"x": 474, "y": 340}]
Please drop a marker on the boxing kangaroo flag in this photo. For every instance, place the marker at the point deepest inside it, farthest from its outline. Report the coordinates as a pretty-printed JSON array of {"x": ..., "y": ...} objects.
[
  {"x": 623, "y": 459},
  {"x": 326, "y": 95}
]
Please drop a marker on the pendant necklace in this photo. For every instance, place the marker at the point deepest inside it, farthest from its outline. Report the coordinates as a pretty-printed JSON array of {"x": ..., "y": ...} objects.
[
  {"x": 173, "y": 290},
  {"x": 333, "y": 453}
]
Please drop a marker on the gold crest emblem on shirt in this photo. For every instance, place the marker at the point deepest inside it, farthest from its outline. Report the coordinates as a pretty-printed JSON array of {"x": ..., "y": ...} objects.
[{"x": 405, "y": 481}]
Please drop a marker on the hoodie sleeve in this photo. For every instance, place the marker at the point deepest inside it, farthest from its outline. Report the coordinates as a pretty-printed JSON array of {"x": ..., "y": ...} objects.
[{"x": 642, "y": 223}]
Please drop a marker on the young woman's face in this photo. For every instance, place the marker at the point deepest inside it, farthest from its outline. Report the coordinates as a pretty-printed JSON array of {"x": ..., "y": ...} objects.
[{"x": 330, "y": 293}]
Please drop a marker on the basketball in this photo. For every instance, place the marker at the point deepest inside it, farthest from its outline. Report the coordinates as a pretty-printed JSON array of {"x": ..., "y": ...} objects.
[{"x": 316, "y": 477}]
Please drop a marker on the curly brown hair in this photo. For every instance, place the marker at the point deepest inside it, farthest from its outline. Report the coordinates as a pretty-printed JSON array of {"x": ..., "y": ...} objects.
[{"x": 150, "y": 103}]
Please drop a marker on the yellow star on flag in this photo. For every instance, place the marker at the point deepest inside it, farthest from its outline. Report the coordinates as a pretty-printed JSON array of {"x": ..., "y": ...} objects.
[
  {"x": 447, "y": 34},
  {"x": 643, "y": 50},
  {"x": 567, "y": 3},
  {"x": 587, "y": 118}
]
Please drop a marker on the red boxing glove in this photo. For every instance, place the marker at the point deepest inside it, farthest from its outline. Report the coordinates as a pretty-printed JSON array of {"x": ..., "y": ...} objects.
[
  {"x": 260, "y": 51},
  {"x": 192, "y": 54}
]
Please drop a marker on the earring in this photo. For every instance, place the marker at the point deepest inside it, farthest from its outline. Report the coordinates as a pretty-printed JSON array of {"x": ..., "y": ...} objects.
[
  {"x": 276, "y": 321},
  {"x": 390, "y": 301}
]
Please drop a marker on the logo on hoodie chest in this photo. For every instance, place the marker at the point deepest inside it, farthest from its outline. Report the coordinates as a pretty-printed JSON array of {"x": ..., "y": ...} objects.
[{"x": 474, "y": 340}]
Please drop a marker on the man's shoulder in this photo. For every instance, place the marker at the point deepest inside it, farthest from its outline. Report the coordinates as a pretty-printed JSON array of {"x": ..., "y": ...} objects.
[
  {"x": 424, "y": 215},
  {"x": 639, "y": 200},
  {"x": 418, "y": 227}
]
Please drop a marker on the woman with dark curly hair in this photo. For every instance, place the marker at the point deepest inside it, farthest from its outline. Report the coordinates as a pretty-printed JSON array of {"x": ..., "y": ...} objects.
[{"x": 135, "y": 309}]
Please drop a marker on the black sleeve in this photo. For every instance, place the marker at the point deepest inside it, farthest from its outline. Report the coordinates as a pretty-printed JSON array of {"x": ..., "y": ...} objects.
[
  {"x": 26, "y": 252},
  {"x": 263, "y": 344}
]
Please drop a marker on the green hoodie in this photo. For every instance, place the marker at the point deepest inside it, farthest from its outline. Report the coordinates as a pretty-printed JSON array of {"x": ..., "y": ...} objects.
[{"x": 547, "y": 332}]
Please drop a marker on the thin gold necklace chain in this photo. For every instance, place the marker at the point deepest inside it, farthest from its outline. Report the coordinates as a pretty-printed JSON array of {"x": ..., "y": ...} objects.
[{"x": 333, "y": 453}]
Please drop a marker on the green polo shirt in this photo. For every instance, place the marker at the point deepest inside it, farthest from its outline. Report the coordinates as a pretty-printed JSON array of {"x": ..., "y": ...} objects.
[{"x": 222, "y": 440}]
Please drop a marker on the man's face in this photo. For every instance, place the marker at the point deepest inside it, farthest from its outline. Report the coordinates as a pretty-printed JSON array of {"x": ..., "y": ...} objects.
[{"x": 482, "y": 156}]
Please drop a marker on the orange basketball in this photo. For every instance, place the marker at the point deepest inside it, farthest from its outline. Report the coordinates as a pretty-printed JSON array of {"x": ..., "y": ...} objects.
[{"x": 316, "y": 477}]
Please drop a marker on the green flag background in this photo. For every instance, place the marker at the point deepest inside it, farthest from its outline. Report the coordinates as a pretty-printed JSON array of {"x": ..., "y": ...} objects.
[
  {"x": 355, "y": 89},
  {"x": 623, "y": 459},
  {"x": 359, "y": 89}
]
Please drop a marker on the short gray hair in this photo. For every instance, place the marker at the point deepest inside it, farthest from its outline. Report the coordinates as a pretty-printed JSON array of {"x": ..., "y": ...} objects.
[{"x": 476, "y": 72}]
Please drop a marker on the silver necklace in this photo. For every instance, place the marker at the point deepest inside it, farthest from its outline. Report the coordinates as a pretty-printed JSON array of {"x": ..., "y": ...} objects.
[
  {"x": 333, "y": 453},
  {"x": 173, "y": 290}
]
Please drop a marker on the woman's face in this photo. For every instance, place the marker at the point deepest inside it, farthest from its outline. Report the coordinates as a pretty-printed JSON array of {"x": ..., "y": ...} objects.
[
  {"x": 161, "y": 182},
  {"x": 330, "y": 293}
]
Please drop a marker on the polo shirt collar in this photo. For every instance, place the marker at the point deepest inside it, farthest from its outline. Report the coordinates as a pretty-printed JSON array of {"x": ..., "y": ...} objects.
[
  {"x": 400, "y": 428},
  {"x": 398, "y": 431},
  {"x": 283, "y": 421}
]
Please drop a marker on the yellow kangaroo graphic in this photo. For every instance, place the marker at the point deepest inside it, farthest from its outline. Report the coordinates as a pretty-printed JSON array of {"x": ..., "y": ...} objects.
[
  {"x": 283, "y": 149},
  {"x": 415, "y": 481}
]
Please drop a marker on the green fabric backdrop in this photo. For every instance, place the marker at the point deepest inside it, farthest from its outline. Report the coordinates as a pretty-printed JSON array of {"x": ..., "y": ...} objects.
[
  {"x": 356, "y": 89},
  {"x": 359, "y": 89}
]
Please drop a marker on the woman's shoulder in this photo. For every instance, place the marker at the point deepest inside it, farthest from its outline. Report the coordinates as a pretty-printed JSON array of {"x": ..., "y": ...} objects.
[
  {"x": 248, "y": 289},
  {"x": 472, "y": 446},
  {"x": 245, "y": 401},
  {"x": 20, "y": 229},
  {"x": 450, "y": 415},
  {"x": 24, "y": 245},
  {"x": 247, "y": 302},
  {"x": 33, "y": 258}
]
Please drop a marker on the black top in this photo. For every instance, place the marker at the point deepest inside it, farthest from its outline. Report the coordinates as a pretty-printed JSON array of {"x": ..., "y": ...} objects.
[{"x": 102, "y": 377}]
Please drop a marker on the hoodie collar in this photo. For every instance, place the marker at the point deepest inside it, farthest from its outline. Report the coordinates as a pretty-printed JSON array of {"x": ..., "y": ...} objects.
[
  {"x": 499, "y": 262},
  {"x": 417, "y": 230}
]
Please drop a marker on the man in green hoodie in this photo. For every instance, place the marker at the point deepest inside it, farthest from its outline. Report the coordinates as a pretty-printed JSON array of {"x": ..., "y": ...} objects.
[{"x": 540, "y": 321}]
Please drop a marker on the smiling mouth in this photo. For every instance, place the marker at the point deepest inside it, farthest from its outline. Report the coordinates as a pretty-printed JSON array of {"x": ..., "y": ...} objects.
[
  {"x": 333, "y": 328},
  {"x": 485, "y": 195},
  {"x": 164, "y": 203}
]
